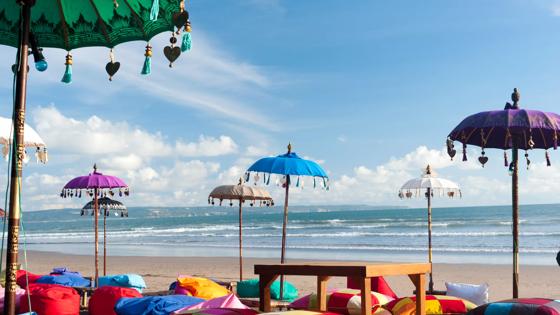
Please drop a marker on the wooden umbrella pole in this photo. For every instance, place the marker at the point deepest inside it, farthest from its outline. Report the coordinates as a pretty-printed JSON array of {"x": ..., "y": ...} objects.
[
  {"x": 240, "y": 241},
  {"x": 96, "y": 218},
  {"x": 105, "y": 242},
  {"x": 429, "y": 192},
  {"x": 284, "y": 228},
  {"x": 18, "y": 152},
  {"x": 515, "y": 219}
]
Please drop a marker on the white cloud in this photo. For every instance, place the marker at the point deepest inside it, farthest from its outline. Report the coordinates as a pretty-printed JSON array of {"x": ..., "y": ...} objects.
[{"x": 207, "y": 146}]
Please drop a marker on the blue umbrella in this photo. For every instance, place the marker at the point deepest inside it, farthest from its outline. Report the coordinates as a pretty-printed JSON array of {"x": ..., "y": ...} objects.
[{"x": 289, "y": 164}]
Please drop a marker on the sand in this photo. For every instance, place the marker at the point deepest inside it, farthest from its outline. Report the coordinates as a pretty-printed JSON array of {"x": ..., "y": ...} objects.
[{"x": 159, "y": 272}]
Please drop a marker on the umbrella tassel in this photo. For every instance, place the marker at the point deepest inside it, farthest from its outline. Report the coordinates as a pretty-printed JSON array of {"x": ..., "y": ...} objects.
[
  {"x": 186, "y": 43},
  {"x": 297, "y": 183},
  {"x": 547, "y": 156},
  {"x": 247, "y": 177},
  {"x": 154, "y": 11},
  {"x": 67, "y": 77},
  {"x": 505, "y": 159},
  {"x": 268, "y": 180},
  {"x": 527, "y": 158},
  {"x": 464, "y": 152},
  {"x": 147, "y": 68},
  {"x": 314, "y": 183}
]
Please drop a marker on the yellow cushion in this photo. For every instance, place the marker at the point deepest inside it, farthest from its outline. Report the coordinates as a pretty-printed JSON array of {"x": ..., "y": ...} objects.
[{"x": 202, "y": 287}]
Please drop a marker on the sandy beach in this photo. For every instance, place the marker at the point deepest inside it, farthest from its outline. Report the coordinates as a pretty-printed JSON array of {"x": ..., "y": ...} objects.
[{"x": 159, "y": 272}]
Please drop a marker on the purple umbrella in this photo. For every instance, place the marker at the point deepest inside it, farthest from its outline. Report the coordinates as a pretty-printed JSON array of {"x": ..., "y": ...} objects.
[
  {"x": 95, "y": 185},
  {"x": 511, "y": 128}
]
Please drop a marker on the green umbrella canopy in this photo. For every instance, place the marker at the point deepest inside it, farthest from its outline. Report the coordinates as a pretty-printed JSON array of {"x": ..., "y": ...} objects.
[{"x": 70, "y": 24}]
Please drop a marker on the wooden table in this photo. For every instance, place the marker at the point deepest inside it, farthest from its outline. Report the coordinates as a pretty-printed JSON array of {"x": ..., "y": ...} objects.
[{"x": 362, "y": 272}]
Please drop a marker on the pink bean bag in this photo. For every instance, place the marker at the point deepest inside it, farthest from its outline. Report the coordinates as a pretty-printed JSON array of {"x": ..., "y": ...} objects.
[{"x": 229, "y": 301}]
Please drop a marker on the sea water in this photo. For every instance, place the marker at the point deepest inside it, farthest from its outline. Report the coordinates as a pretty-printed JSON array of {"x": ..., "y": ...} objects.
[{"x": 460, "y": 235}]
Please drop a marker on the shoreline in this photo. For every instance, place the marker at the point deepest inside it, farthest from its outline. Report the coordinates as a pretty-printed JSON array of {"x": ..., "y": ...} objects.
[{"x": 160, "y": 271}]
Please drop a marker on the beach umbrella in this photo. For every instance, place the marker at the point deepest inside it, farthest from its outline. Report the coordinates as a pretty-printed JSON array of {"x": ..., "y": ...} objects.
[
  {"x": 95, "y": 185},
  {"x": 289, "y": 165},
  {"x": 109, "y": 206},
  {"x": 68, "y": 25},
  {"x": 428, "y": 186},
  {"x": 509, "y": 129},
  {"x": 32, "y": 140},
  {"x": 256, "y": 196}
]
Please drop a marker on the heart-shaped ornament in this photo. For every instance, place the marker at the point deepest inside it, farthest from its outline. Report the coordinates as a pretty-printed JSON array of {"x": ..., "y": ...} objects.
[
  {"x": 112, "y": 68},
  {"x": 483, "y": 160},
  {"x": 180, "y": 19},
  {"x": 171, "y": 53}
]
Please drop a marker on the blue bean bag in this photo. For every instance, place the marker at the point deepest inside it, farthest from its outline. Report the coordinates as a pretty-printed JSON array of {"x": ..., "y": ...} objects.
[
  {"x": 154, "y": 305},
  {"x": 67, "y": 280},
  {"x": 124, "y": 281}
]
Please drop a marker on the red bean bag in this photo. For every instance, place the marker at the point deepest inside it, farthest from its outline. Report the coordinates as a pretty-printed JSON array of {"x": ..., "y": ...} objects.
[
  {"x": 103, "y": 300},
  {"x": 21, "y": 281},
  {"x": 378, "y": 284},
  {"x": 51, "y": 299}
]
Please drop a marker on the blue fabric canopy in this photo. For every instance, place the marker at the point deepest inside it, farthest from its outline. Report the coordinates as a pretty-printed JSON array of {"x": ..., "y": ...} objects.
[{"x": 287, "y": 164}]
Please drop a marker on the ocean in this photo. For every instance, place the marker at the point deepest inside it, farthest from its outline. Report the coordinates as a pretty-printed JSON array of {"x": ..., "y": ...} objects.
[{"x": 460, "y": 235}]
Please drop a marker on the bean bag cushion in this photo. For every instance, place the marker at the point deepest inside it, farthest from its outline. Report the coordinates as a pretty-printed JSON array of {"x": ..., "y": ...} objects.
[
  {"x": 64, "y": 271},
  {"x": 22, "y": 281},
  {"x": 20, "y": 293},
  {"x": 51, "y": 299},
  {"x": 68, "y": 280},
  {"x": 478, "y": 294},
  {"x": 154, "y": 305},
  {"x": 229, "y": 301},
  {"x": 378, "y": 284},
  {"x": 519, "y": 306},
  {"x": 299, "y": 312},
  {"x": 345, "y": 301},
  {"x": 221, "y": 311},
  {"x": 103, "y": 300},
  {"x": 435, "y": 305},
  {"x": 202, "y": 287},
  {"x": 125, "y": 281},
  {"x": 250, "y": 289}
]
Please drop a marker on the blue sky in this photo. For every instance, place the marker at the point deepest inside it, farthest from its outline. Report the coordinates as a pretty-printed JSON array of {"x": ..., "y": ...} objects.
[{"x": 368, "y": 88}]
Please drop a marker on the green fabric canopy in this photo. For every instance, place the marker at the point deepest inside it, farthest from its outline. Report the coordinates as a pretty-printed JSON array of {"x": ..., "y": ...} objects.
[{"x": 70, "y": 24}]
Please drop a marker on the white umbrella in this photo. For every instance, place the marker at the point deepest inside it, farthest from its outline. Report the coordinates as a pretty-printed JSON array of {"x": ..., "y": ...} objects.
[
  {"x": 32, "y": 139},
  {"x": 253, "y": 194},
  {"x": 429, "y": 185}
]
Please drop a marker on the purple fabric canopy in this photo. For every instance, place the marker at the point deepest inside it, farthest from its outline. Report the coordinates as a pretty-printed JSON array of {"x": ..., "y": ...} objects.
[
  {"x": 494, "y": 129},
  {"x": 95, "y": 180}
]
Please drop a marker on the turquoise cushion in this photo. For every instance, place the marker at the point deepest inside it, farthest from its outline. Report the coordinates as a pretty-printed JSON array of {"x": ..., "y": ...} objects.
[{"x": 250, "y": 289}]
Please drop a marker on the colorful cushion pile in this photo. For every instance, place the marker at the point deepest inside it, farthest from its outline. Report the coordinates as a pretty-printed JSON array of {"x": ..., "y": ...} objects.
[
  {"x": 299, "y": 312},
  {"x": 201, "y": 287},
  {"x": 24, "y": 277},
  {"x": 435, "y": 305},
  {"x": 478, "y": 294},
  {"x": 378, "y": 284},
  {"x": 221, "y": 311},
  {"x": 346, "y": 301},
  {"x": 250, "y": 289},
  {"x": 519, "y": 306}
]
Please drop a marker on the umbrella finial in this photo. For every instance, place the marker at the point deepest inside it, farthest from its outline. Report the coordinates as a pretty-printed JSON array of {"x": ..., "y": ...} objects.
[
  {"x": 289, "y": 147},
  {"x": 428, "y": 170},
  {"x": 94, "y": 167},
  {"x": 515, "y": 96},
  {"x": 240, "y": 181}
]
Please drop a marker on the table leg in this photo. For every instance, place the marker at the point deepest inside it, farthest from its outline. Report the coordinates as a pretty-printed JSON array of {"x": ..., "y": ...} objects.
[
  {"x": 365, "y": 286},
  {"x": 265, "y": 281},
  {"x": 322, "y": 292},
  {"x": 419, "y": 281}
]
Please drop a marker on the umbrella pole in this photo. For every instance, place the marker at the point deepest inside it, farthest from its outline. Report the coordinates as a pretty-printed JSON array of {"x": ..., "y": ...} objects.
[
  {"x": 96, "y": 219},
  {"x": 18, "y": 119},
  {"x": 240, "y": 241},
  {"x": 431, "y": 283},
  {"x": 105, "y": 242},
  {"x": 515, "y": 219},
  {"x": 284, "y": 227}
]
